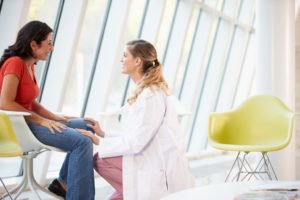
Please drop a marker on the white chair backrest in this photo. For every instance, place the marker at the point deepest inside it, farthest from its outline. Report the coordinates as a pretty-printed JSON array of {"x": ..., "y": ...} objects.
[{"x": 26, "y": 138}]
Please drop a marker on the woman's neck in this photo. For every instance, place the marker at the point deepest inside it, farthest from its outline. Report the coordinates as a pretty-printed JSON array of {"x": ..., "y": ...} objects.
[{"x": 29, "y": 62}]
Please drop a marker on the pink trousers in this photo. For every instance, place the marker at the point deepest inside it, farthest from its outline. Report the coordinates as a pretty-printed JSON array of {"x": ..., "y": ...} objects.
[{"x": 111, "y": 170}]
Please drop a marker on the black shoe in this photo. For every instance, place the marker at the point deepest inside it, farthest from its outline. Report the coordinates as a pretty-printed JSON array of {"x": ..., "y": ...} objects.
[{"x": 56, "y": 188}]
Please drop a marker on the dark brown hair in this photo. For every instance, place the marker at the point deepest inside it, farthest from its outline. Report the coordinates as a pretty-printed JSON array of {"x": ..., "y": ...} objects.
[{"x": 32, "y": 31}]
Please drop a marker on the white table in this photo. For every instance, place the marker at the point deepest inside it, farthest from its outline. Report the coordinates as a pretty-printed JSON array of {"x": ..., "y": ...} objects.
[{"x": 222, "y": 191}]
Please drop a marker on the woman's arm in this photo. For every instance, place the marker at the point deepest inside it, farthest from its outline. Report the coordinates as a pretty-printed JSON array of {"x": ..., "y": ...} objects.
[
  {"x": 8, "y": 94},
  {"x": 7, "y": 102},
  {"x": 42, "y": 111}
]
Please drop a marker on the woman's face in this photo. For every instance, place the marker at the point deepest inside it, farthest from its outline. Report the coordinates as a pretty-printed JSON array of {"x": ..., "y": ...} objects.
[
  {"x": 41, "y": 52},
  {"x": 129, "y": 63}
]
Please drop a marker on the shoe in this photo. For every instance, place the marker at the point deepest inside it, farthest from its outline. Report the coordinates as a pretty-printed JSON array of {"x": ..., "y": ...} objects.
[{"x": 56, "y": 188}]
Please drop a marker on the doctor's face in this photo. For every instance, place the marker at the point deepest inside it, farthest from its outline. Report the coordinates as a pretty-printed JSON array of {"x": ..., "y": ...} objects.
[{"x": 129, "y": 63}]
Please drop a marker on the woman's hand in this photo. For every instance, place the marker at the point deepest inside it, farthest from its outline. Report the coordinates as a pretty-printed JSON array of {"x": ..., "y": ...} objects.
[
  {"x": 95, "y": 126},
  {"x": 52, "y": 125},
  {"x": 89, "y": 134}
]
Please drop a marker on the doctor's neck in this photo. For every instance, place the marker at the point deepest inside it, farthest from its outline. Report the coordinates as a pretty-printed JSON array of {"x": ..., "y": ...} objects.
[{"x": 137, "y": 78}]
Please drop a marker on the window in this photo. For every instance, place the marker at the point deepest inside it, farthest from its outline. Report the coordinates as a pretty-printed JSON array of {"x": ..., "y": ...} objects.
[{"x": 206, "y": 47}]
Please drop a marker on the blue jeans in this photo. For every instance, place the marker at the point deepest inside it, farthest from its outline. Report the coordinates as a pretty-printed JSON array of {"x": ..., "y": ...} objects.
[{"x": 77, "y": 169}]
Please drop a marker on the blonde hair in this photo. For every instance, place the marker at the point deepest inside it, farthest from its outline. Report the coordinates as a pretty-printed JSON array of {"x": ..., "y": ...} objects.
[{"x": 152, "y": 69}]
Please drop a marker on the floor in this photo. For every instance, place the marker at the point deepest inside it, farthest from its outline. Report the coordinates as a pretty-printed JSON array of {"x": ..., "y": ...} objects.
[{"x": 206, "y": 171}]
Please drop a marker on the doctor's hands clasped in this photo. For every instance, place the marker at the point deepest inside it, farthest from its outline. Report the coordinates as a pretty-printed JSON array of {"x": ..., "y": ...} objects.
[{"x": 95, "y": 126}]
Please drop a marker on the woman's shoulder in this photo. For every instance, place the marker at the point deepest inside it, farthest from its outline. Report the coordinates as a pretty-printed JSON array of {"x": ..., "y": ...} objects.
[
  {"x": 15, "y": 60},
  {"x": 13, "y": 65}
]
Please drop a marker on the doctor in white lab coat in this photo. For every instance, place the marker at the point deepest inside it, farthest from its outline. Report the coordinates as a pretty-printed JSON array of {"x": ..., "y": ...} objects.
[{"x": 147, "y": 160}]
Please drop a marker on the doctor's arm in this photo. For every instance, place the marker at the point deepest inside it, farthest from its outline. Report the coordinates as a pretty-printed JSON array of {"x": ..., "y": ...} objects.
[{"x": 148, "y": 119}]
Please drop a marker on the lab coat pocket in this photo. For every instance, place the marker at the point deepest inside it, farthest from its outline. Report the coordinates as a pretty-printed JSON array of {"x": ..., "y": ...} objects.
[{"x": 152, "y": 184}]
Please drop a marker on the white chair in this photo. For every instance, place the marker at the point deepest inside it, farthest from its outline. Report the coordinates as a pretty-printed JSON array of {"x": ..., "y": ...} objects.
[{"x": 31, "y": 148}]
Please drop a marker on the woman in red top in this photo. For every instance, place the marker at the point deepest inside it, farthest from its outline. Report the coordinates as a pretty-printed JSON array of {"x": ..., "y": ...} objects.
[{"x": 18, "y": 92}]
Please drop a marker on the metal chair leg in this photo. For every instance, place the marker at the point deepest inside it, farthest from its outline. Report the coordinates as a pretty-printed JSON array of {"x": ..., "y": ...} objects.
[
  {"x": 245, "y": 171},
  {"x": 7, "y": 192},
  {"x": 29, "y": 180},
  {"x": 235, "y": 161},
  {"x": 269, "y": 162}
]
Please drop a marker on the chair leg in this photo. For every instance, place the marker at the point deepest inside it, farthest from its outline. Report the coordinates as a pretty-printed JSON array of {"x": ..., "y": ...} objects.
[
  {"x": 234, "y": 163},
  {"x": 29, "y": 180},
  {"x": 33, "y": 183},
  {"x": 264, "y": 166},
  {"x": 241, "y": 167},
  {"x": 7, "y": 192},
  {"x": 268, "y": 163},
  {"x": 249, "y": 172},
  {"x": 15, "y": 189},
  {"x": 259, "y": 167},
  {"x": 241, "y": 163}
]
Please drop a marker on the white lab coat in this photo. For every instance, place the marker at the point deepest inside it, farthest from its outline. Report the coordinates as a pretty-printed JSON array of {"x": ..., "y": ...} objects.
[{"x": 154, "y": 162}]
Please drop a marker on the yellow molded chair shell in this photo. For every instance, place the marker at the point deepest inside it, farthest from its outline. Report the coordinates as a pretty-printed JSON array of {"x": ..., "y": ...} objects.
[
  {"x": 261, "y": 124},
  {"x": 9, "y": 144},
  {"x": 16, "y": 136}
]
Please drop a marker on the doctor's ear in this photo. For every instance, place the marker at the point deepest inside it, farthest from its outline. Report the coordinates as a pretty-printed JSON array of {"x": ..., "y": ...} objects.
[{"x": 138, "y": 61}]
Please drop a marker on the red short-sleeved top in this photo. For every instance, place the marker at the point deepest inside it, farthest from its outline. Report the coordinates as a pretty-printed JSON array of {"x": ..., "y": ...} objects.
[{"x": 28, "y": 89}]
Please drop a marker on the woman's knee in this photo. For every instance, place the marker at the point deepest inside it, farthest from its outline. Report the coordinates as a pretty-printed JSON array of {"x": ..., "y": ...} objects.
[
  {"x": 78, "y": 123},
  {"x": 80, "y": 141},
  {"x": 86, "y": 141}
]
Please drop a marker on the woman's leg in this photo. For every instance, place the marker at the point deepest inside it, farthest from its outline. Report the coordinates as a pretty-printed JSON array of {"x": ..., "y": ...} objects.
[
  {"x": 78, "y": 123},
  {"x": 111, "y": 170},
  {"x": 78, "y": 164},
  {"x": 73, "y": 123}
]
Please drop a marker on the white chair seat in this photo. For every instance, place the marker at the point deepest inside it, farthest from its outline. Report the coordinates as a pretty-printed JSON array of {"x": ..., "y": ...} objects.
[{"x": 31, "y": 148}]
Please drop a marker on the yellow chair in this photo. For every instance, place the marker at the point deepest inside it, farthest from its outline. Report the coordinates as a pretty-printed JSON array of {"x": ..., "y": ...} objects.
[
  {"x": 29, "y": 147},
  {"x": 9, "y": 144},
  {"x": 263, "y": 123}
]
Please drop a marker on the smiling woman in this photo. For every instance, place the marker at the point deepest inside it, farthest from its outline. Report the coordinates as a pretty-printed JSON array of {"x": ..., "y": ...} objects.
[
  {"x": 207, "y": 48},
  {"x": 139, "y": 162},
  {"x": 18, "y": 92}
]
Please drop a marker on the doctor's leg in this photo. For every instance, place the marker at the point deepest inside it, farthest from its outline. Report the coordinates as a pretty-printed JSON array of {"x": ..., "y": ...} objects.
[{"x": 111, "y": 170}]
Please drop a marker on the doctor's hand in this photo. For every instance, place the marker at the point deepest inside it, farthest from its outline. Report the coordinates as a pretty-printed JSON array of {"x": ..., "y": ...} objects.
[
  {"x": 89, "y": 134},
  {"x": 95, "y": 126}
]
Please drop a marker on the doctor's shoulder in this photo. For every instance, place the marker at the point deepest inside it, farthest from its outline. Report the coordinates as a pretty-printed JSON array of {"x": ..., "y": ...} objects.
[
  {"x": 146, "y": 93},
  {"x": 151, "y": 93}
]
